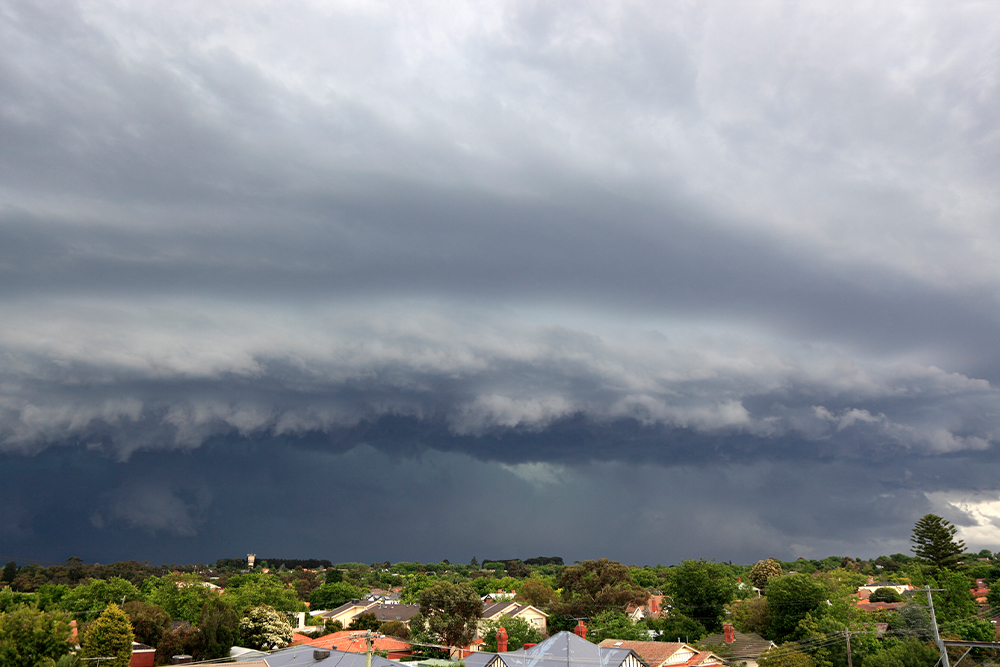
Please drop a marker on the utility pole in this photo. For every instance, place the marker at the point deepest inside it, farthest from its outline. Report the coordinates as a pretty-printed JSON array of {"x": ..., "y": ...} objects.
[
  {"x": 368, "y": 653},
  {"x": 850, "y": 663},
  {"x": 934, "y": 625}
]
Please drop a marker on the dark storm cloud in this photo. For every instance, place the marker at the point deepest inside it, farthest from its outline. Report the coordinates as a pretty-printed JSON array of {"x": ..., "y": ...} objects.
[{"x": 560, "y": 246}]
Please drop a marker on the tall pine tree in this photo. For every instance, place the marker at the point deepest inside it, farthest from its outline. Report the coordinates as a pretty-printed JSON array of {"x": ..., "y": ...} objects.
[{"x": 934, "y": 542}]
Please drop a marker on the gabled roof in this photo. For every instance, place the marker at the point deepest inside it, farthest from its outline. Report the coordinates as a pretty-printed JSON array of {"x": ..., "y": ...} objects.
[
  {"x": 394, "y": 612},
  {"x": 353, "y": 641},
  {"x": 563, "y": 649},
  {"x": 507, "y": 609},
  {"x": 310, "y": 656},
  {"x": 654, "y": 653},
  {"x": 745, "y": 645}
]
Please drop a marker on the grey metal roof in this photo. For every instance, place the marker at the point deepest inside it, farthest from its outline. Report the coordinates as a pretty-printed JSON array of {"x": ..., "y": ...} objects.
[
  {"x": 563, "y": 649},
  {"x": 307, "y": 655}
]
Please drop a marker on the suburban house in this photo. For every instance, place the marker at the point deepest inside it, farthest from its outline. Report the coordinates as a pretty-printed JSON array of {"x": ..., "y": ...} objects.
[
  {"x": 384, "y": 612},
  {"x": 563, "y": 649},
  {"x": 741, "y": 646},
  {"x": 350, "y": 641},
  {"x": 651, "y": 609},
  {"x": 310, "y": 656},
  {"x": 536, "y": 617},
  {"x": 869, "y": 588},
  {"x": 661, "y": 654},
  {"x": 346, "y": 612},
  {"x": 499, "y": 596}
]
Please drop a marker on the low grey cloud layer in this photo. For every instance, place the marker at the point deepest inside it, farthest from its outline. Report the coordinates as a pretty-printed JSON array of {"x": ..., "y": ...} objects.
[{"x": 621, "y": 256}]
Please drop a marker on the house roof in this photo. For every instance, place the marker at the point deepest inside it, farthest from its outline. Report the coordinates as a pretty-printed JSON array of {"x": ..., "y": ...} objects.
[
  {"x": 872, "y": 606},
  {"x": 507, "y": 609},
  {"x": 654, "y": 653},
  {"x": 562, "y": 649},
  {"x": 354, "y": 642},
  {"x": 394, "y": 612},
  {"x": 745, "y": 644},
  {"x": 311, "y": 656}
]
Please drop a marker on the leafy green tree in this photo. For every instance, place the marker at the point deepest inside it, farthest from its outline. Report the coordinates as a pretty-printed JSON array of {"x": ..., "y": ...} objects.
[
  {"x": 909, "y": 652},
  {"x": 87, "y": 601},
  {"x": 616, "y": 625},
  {"x": 764, "y": 570},
  {"x": 451, "y": 612},
  {"x": 9, "y": 572},
  {"x": 789, "y": 599},
  {"x": 751, "y": 615},
  {"x": 110, "y": 635},
  {"x": 29, "y": 636},
  {"x": 645, "y": 577},
  {"x": 255, "y": 590},
  {"x": 149, "y": 621},
  {"x": 591, "y": 587},
  {"x": 519, "y": 632},
  {"x": 536, "y": 593},
  {"x": 701, "y": 590},
  {"x": 911, "y": 621},
  {"x": 264, "y": 627},
  {"x": 366, "y": 621},
  {"x": 334, "y": 576},
  {"x": 331, "y": 596},
  {"x": 785, "y": 656},
  {"x": 183, "y": 641},
  {"x": 677, "y": 627},
  {"x": 182, "y": 597},
  {"x": 9, "y": 600},
  {"x": 885, "y": 595},
  {"x": 218, "y": 630},
  {"x": 395, "y": 629},
  {"x": 955, "y": 602},
  {"x": 934, "y": 542}
]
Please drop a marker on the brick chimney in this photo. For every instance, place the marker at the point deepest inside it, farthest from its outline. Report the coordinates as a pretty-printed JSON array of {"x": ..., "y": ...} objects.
[
  {"x": 501, "y": 640},
  {"x": 580, "y": 630},
  {"x": 727, "y": 631}
]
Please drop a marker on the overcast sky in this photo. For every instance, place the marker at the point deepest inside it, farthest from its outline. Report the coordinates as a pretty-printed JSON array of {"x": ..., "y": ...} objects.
[{"x": 413, "y": 281}]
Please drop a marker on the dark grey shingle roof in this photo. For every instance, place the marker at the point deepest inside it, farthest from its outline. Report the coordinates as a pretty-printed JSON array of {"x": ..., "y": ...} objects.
[
  {"x": 564, "y": 649},
  {"x": 298, "y": 656}
]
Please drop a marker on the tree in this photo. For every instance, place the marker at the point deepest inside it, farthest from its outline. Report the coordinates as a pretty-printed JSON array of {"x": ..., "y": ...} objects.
[
  {"x": 182, "y": 597},
  {"x": 218, "y": 630},
  {"x": 519, "y": 632},
  {"x": 677, "y": 627},
  {"x": 264, "y": 627},
  {"x": 110, "y": 635},
  {"x": 29, "y": 636},
  {"x": 785, "y": 656},
  {"x": 934, "y": 542},
  {"x": 258, "y": 589},
  {"x": 764, "y": 570},
  {"x": 908, "y": 653},
  {"x": 365, "y": 622},
  {"x": 334, "y": 576},
  {"x": 331, "y": 596},
  {"x": 9, "y": 572},
  {"x": 616, "y": 625},
  {"x": 395, "y": 629},
  {"x": 955, "y": 602},
  {"x": 591, "y": 587},
  {"x": 701, "y": 590},
  {"x": 885, "y": 594},
  {"x": 149, "y": 621},
  {"x": 789, "y": 599},
  {"x": 751, "y": 615},
  {"x": 535, "y": 592},
  {"x": 87, "y": 601},
  {"x": 451, "y": 612}
]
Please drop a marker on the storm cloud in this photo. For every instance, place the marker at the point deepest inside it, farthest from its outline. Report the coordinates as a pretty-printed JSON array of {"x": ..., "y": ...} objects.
[{"x": 698, "y": 279}]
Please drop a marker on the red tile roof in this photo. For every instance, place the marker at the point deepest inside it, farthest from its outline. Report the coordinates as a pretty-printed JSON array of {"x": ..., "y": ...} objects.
[{"x": 352, "y": 641}]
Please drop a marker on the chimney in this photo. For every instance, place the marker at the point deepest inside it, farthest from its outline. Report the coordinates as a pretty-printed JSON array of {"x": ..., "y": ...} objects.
[
  {"x": 501, "y": 640},
  {"x": 73, "y": 633},
  {"x": 580, "y": 630},
  {"x": 727, "y": 631}
]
